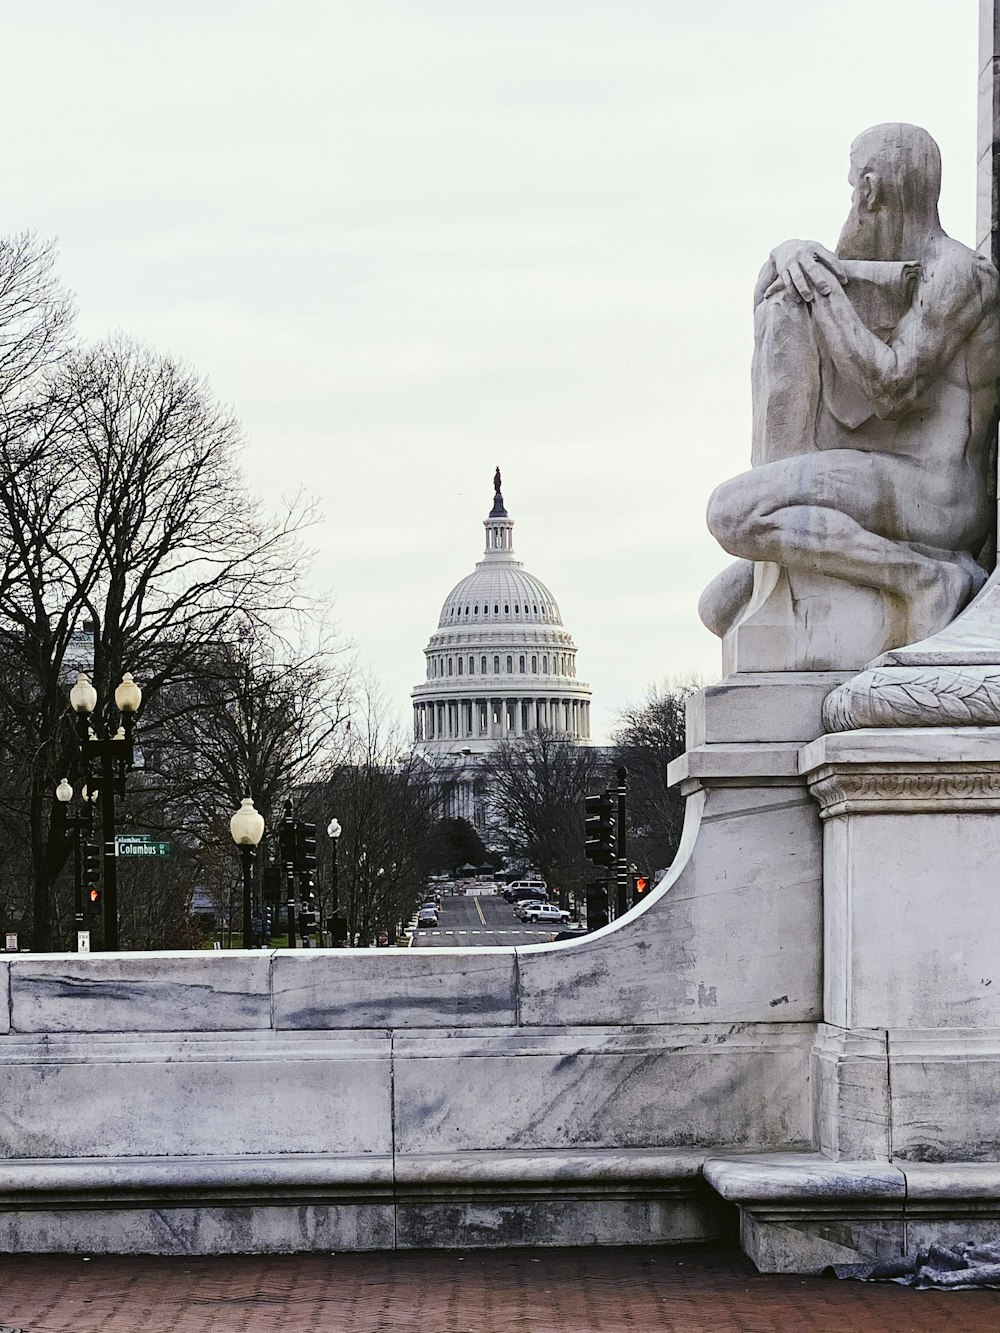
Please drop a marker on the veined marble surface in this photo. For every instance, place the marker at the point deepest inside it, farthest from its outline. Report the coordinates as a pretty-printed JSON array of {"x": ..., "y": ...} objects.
[
  {"x": 394, "y": 988},
  {"x": 217, "y": 991},
  {"x": 148, "y": 1096},
  {"x": 642, "y": 1087}
]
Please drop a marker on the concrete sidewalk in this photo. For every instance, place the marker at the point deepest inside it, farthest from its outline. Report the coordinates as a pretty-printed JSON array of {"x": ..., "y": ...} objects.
[{"x": 697, "y": 1289}]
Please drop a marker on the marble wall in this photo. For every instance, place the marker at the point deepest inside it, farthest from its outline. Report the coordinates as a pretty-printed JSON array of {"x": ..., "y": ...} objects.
[{"x": 552, "y": 1094}]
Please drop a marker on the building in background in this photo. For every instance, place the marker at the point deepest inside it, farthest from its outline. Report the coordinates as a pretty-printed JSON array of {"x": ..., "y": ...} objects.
[{"x": 500, "y": 665}]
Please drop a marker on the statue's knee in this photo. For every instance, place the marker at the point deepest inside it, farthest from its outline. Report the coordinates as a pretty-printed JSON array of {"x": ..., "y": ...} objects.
[{"x": 726, "y": 512}]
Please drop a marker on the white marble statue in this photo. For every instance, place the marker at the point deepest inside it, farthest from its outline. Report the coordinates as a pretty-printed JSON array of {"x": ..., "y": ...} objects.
[{"x": 860, "y": 524}]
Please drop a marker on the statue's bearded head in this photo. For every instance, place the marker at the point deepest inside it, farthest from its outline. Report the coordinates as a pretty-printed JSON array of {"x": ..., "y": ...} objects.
[{"x": 896, "y": 179}]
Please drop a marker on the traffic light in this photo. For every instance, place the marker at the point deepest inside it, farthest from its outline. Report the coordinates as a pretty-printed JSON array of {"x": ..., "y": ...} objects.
[
  {"x": 286, "y": 840},
  {"x": 92, "y": 901},
  {"x": 308, "y": 912},
  {"x": 641, "y": 885},
  {"x": 273, "y": 877},
  {"x": 305, "y": 845},
  {"x": 91, "y": 863},
  {"x": 599, "y": 825},
  {"x": 597, "y": 906}
]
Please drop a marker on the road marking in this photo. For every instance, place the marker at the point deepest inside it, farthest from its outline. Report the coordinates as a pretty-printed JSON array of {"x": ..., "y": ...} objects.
[{"x": 475, "y": 903}]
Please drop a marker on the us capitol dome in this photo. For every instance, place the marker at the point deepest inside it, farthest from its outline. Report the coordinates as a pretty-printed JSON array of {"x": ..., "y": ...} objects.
[{"x": 500, "y": 664}]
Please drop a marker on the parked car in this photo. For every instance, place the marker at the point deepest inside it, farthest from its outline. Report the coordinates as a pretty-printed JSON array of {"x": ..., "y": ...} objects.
[
  {"x": 529, "y": 904},
  {"x": 528, "y": 896},
  {"x": 427, "y": 916},
  {"x": 545, "y": 912}
]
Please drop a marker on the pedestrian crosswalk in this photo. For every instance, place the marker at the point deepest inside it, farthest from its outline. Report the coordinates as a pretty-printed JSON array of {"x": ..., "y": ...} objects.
[{"x": 499, "y": 931}]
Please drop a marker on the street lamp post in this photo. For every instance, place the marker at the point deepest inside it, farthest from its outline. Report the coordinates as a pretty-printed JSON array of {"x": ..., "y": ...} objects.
[
  {"x": 77, "y": 827},
  {"x": 334, "y": 830},
  {"x": 247, "y": 828},
  {"x": 114, "y": 754}
]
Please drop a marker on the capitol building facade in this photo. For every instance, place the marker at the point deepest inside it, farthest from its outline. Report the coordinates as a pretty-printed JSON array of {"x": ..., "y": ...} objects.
[{"x": 499, "y": 666}]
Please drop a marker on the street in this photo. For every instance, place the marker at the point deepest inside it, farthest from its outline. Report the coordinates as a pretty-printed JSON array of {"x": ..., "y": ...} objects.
[{"x": 472, "y": 921}]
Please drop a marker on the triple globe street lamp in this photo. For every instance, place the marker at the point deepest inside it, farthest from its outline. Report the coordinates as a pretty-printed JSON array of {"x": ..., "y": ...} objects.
[{"x": 112, "y": 755}]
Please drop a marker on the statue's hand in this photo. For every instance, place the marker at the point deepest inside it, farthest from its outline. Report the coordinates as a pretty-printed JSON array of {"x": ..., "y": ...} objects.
[{"x": 805, "y": 268}]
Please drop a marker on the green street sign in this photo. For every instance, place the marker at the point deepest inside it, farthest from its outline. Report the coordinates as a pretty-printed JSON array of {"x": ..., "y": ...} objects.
[{"x": 141, "y": 844}]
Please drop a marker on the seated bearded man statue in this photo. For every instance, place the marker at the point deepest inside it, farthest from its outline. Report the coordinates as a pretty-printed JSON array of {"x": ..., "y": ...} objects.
[{"x": 860, "y": 524}]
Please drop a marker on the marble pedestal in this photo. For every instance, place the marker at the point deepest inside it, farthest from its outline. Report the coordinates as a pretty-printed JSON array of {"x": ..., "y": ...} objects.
[
  {"x": 801, "y": 623},
  {"x": 905, "y": 1067}
]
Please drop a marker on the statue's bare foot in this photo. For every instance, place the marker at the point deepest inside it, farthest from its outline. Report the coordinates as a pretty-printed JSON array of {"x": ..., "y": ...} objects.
[
  {"x": 727, "y": 597},
  {"x": 949, "y": 586}
]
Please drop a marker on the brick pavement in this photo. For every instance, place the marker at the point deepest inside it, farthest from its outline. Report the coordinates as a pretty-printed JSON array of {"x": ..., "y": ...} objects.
[{"x": 699, "y": 1289}]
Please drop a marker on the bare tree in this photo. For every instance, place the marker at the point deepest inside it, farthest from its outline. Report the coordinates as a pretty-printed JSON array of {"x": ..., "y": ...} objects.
[
  {"x": 379, "y": 794},
  {"x": 36, "y": 315},
  {"x": 538, "y": 783},
  {"x": 258, "y": 717},
  {"x": 122, "y": 505},
  {"x": 646, "y": 738},
  {"x": 261, "y": 717}
]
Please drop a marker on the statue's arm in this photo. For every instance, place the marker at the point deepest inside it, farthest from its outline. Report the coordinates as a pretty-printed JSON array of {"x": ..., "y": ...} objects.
[{"x": 954, "y": 298}]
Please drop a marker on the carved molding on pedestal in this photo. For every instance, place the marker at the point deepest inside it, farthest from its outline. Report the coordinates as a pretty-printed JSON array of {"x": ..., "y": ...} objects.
[
  {"x": 942, "y": 789},
  {"x": 916, "y": 696}
]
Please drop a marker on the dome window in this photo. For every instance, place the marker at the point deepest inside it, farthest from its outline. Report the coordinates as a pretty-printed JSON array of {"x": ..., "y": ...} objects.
[
  {"x": 466, "y": 610},
  {"x": 472, "y": 666},
  {"x": 545, "y": 665},
  {"x": 459, "y": 666},
  {"x": 534, "y": 610},
  {"x": 510, "y": 665},
  {"x": 534, "y": 665},
  {"x": 496, "y": 666},
  {"x": 506, "y": 609},
  {"x": 520, "y": 664},
  {"x": 475, "y": 609},
  {"x": 482, "y": 665},
  {"x": 496, "y": 610},
  {"x": 450, "y": 667}
]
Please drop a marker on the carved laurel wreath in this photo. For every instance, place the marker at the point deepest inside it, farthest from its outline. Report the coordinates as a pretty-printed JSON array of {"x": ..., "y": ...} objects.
[{"x": 963, "y": 696}]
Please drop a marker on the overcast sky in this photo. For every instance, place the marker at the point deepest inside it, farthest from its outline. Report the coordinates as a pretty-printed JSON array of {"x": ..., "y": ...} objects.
[{"x": 409, "y": 240}]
